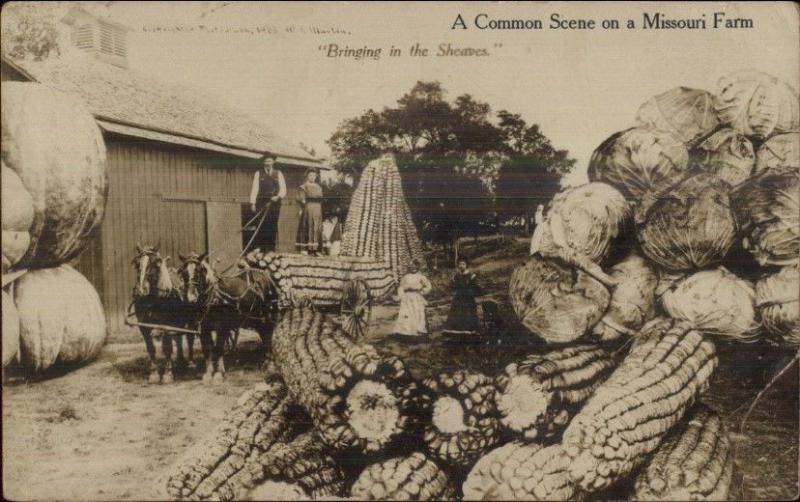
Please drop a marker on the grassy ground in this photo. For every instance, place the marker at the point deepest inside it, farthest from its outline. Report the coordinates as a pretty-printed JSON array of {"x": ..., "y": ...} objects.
[{"x": 102, "y": 433}]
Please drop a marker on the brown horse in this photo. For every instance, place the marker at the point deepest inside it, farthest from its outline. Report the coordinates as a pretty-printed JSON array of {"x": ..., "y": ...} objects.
[
  {"x": 157, "y": 299},
  {"x": 247, "y": 299}
]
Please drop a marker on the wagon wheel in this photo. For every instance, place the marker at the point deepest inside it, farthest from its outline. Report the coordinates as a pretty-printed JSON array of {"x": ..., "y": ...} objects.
[{"x": 356, "y": 308}]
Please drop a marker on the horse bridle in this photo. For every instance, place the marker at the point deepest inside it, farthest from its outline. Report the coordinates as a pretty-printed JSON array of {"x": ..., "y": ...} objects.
[
  {"x": 150, "y": 273},
  {"x": 195, "y": 280}
]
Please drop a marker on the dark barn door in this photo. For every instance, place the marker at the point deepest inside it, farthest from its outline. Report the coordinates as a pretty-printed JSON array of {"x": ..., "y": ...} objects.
[{"x": 224, "y": 231}]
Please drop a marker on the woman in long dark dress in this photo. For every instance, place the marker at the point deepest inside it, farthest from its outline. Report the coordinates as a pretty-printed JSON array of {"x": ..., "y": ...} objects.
[
  {"x": 309, "y": 233},
  {"x": 463, "y": 317}
]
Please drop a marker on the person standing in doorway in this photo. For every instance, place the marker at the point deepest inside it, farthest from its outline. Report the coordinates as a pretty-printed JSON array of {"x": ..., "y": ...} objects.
[
  {"x": 269, "y": 189},
  {"x": 309, "y": 233},
  {"x": 463, "y": 316}
]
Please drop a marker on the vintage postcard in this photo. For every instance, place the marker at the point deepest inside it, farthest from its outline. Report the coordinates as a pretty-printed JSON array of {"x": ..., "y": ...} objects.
[{"x": 400, "y": 250}]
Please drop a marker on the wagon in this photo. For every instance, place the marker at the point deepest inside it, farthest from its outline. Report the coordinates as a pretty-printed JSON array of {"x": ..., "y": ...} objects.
[{"x": 347, "y": 284}]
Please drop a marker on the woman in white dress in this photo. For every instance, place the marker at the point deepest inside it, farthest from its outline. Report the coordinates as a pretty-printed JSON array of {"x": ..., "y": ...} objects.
[{"x": 411, "y": 320}]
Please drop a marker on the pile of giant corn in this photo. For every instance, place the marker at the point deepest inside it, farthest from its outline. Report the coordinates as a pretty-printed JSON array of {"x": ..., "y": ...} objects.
[{"x": 631, "y": 284}]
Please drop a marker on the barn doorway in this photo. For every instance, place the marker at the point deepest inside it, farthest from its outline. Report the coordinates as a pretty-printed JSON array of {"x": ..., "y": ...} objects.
[{"x": 224, "y": 232}]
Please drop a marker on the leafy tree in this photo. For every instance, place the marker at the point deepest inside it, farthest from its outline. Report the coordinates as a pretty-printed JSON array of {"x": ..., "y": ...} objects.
[
  {"x": 450, "y": 155},
  {"x": 30, "y": 30},
  {"x": 532, "y": 174}
]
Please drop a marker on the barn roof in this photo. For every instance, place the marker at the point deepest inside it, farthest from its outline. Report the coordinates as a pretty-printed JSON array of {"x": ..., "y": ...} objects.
[{"x": 126, "y": 102}]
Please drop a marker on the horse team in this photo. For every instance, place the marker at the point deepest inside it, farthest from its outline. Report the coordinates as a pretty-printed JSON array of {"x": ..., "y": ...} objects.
[{"x": 194, "y": 299}]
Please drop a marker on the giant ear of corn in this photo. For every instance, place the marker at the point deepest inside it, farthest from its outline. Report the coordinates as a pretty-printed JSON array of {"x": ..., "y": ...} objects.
[
  {"x": 260, "y": 420},
  {"x": 465, "y": 423},
  {"x": 538, "y": 395},
  {"x": 519, "y": 471},
  {"x": 409, "y": 477},
  {"x": 322, "y": 279},
  {"x": 379, "y": 222},
  {"x": 357, "y": 399},
  {"x": 627, "y": 417},
  {"x": 303, "y": 465},
  {"x": 694, "y": 462}
]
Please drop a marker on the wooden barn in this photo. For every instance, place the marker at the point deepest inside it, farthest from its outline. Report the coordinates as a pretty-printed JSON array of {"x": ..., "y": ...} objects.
[{"x": 180, "y": 167}]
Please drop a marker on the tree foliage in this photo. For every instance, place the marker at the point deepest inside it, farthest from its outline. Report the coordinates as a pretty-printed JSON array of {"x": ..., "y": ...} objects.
[
  {"x": 454, "y": 157},
  {"x": 30, "y": 30}
]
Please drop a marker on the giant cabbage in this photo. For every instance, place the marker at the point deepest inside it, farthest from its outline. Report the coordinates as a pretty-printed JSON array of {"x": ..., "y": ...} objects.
[
  {"x": 556, "y": 301},
  {"x": 683, "y": 112},
  {"x": 690, "y": 225},
  {"x": 778, "y": 303},
  {"x": 756, "y": 104},
  {"x": 580, "y": 224},
  {"x": 715, "y": 302},
  {"x": 632, "y": 299},
  {"x": 768, "y": 210},
  {"x": 726, "y": 153},
  {"x": 780, "y": 153},
  {"x": 639, "y": 160}
]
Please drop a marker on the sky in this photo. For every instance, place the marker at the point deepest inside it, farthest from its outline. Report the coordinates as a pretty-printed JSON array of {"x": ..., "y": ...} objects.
[{"x": 580, "y": 86}]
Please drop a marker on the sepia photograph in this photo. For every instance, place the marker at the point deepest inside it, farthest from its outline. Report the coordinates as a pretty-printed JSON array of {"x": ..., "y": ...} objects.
[{"x": 355, "y": 250}]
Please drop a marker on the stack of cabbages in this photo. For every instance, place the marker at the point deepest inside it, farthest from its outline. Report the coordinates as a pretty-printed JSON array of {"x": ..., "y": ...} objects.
[
  {"x": 54, "y": 188},
  {"x": 693, "y": 213}
]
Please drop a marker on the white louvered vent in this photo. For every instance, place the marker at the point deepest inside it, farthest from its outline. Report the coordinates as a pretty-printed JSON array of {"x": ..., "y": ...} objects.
[
  {"x": 112, "y": 40},
  {"x": 105, "y": 39},
  {"x": 84, "y": 37}
]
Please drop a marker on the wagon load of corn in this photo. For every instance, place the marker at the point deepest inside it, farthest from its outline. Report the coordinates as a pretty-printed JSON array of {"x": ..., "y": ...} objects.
[
  {"x": 351, "y": 282},
  {"x": 379, "y": 222}
]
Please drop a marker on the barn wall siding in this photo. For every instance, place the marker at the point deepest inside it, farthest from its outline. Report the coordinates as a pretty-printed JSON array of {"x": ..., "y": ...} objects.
[{"x": 157, "y": 196}]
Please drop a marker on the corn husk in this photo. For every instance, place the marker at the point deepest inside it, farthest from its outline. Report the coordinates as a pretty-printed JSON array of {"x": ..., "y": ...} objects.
[
  {"x": 756, "y": 104},
  {"x": 777, "y": 299},
  {"x": 632, "y": 300},
  {"x": 682, "y": 112},
  {"x": 715, "y": 302},
  {"x": 558, "y": 302},
  {"x": 689, "y": 225},
  {"x": 638, "y": 160},
  {"x": 727, "y": 154},
  {"x": 768, "y": 210}
]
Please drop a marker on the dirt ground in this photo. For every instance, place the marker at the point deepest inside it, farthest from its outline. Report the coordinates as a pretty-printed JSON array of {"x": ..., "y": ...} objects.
[{"x": 102, "y": 433}]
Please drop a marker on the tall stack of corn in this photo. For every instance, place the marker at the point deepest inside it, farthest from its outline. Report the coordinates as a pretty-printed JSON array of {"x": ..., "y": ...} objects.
[{"x": 379, "y": 223}]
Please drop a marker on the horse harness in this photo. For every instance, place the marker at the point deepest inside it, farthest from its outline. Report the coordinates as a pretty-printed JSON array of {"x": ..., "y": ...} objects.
[{"x": 215, "y": 295}]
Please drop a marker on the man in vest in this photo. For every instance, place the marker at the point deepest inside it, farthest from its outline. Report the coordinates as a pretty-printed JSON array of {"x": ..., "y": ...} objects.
[{"x": 269, "y": 187}]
